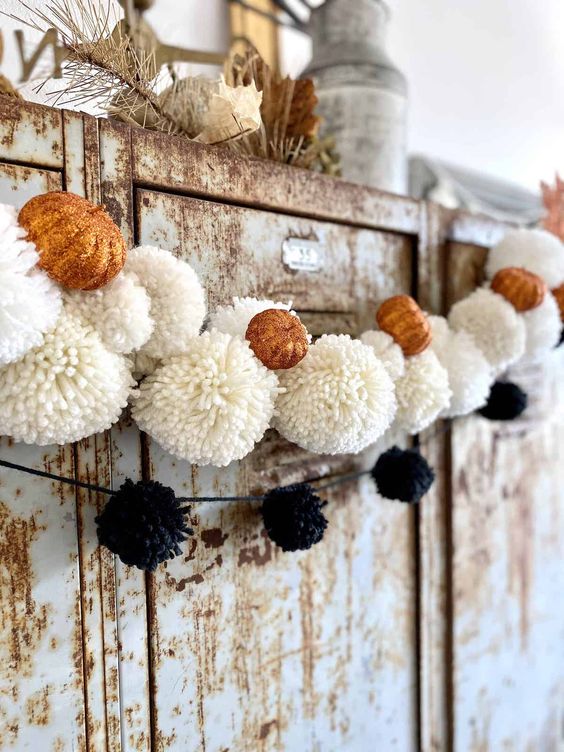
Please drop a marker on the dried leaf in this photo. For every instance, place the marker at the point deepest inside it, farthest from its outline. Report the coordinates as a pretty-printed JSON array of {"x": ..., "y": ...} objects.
[
  {"x": 553, "y": 199},
  {"x": 232, "y": 111},
  {"x": 289, "y": 125},
  {"x": 301, "y": 120}
]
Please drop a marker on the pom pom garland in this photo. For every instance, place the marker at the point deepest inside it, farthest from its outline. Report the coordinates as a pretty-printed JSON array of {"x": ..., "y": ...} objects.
[
  {"x": 402, "y": 475},
  {"x": 143, "y": 523},
  {"x": 422, "y": 393},
  {"x": 293, "y": 517},
  {"x": 30, "y": 302},
  {"x": 537, "y": 251},
  {"x": 338, "y": 399},
  {"x": 507, "y": 401},
  {"x": 177, "y": 300},
  {"x": 387, "y": 350},
  {"x": 119, "y": 312},
  {"x": 212, "y": 404},
  {"x": 542, "y": 329},
  {"x": 469, "y": 373},
  {"x": 494, "y": 325},
  {"x": 68, "y": 388}
]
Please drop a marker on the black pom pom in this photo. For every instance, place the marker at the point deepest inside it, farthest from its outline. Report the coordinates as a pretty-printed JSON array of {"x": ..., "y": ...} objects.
[
  {"x": 506, "y": 402},
  {"x": 293, "y": 517},
  {"x": 143, "y": 523},
  {"x": 402, "y": 474}
]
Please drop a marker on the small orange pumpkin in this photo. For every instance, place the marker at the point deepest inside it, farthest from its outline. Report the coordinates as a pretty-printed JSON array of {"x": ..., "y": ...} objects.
[
  {"x": 523, "y": 289},
  {"x": 78, "y": 243},
  {"x": 278, "y": 338},
  {"x": 401, "y": 318}
]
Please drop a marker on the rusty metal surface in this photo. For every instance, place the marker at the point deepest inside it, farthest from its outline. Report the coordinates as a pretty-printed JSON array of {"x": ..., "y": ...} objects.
[
  {"x": 508, "y": 536},
  {"x": 253, "y": 649},
  {"x": 507, "y": 531},
  {"x": 41, "y": 673},
  {"x": 30, "y": 133},
  {"x": 435, "y": 701},
  {"x": 93, "y": 464},
  {"x": 166, "y": 163},
  {"x": 368, "y": 641}
]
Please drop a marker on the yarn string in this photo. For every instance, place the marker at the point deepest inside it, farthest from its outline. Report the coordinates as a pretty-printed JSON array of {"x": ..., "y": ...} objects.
[{"x": 339, "y": 480}]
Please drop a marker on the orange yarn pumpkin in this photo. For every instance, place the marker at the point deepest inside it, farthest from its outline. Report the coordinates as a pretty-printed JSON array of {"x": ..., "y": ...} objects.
[
  {"x": 78, "y": 243},
  {"x": 523, "y": 289},
  {"x": 401, "y": 318},
  {"x": 277, "y": 338}
]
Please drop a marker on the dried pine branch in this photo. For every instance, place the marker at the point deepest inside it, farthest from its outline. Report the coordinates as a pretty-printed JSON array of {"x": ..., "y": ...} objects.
[{"x": 103, "y": 64}]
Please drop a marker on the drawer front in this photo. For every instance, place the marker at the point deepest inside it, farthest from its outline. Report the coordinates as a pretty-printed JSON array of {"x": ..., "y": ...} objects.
[{"x": 259, "y": 649}]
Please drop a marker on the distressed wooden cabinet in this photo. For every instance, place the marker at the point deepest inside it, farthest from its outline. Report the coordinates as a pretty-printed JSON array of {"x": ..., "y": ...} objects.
[{"x": 435, "y": 628}]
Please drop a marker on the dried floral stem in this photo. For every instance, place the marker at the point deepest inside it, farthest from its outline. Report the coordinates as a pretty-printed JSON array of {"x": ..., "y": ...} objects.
[{"x": 103, "y": 63}]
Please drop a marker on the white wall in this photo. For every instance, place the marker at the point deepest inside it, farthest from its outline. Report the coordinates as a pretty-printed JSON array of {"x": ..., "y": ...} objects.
[
  {"x": 193, "y": 24},
  {"x": 486, "y": 82},
  {"x": 486, "y": 77}
]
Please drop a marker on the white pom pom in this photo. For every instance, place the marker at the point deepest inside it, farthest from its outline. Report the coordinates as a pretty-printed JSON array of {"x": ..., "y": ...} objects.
[
  {"x": 210, "y": 405},
  {"x": 177, "y": 298},
  {"x": 234, "y": 319},
  {"x": 119, "y": 312},
  {"x": 494, "y": 325},
  {"x": 338, "y": 399},
  {"x": 68, "y": 388},
  {"x": 30, "y": 302},
  {"x": 387, "y": 350},
  {"x": 469, "y": 373},
  {"x": 537, "y": 251},
  {"x": 143, "y": 365},
  {"x": 422, "y": 392},
  {"x": 542, "y": 328}
]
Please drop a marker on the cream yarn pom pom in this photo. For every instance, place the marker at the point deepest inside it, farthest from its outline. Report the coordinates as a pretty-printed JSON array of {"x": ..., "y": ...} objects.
[
  {"x": 538, "y": 251},
  {"x": 119, "y": 312},
  {"x": 68, "y": 388},
  {"x": 422, "y": 392},
  {"x": 234, "y": 319},
  {"x": 494, "y": 325},
  {"x": 542, "y": 327},
  {"x": 30, "y": 302},
  {"x": 469, "y": 373},
  {"x": 210, "y": 405},
  {"x": 178, "y": 305},
  {"x": 338, "y": 399},
  {"x": 387, "y": 350}
]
